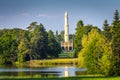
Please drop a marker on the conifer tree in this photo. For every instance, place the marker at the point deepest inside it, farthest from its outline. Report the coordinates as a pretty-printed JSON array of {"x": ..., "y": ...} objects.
[
  {"x": 116, "y": 45},
  {"x": 106, "y": 29}
]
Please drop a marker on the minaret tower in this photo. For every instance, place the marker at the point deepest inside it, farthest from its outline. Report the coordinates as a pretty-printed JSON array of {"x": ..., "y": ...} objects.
[
  {"x": 66, "y": 26},
  {"x": 66, "y": 45}
]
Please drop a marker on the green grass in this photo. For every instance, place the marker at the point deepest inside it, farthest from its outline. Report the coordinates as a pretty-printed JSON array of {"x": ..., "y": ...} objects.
[
  {"x": 51, "y": 62},
  {"x": 66, "y": 78},
  {"x": 67, "y": 54}
]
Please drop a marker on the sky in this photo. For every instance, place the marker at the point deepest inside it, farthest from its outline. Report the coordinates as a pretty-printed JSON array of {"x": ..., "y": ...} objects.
[{"x": 20, "y": 13}]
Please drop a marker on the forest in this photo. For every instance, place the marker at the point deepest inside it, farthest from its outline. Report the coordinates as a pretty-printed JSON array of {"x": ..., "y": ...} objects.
[
  {"x": 97, "y": 50},
  {"x": 23, "y": 45}
]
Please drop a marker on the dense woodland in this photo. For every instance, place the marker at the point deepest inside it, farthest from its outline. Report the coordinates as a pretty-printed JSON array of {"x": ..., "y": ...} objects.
[
  {"x": 23, "y": 45},
  {"x": 97, "y": 50}
]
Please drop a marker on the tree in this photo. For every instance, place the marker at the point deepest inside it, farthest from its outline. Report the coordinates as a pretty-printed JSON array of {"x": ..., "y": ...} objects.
[
  {"x": 6, "y": 48},
  {"x": 57, "y": 36},
  {"x": 116, "y": 44},
  {"x": 39, "y": 42},
  {"x": 32, "y": 26},
  {"x": 116, "y": 16},
  {"x": 105, "y": 61},
  {"x": 106, "y": 29},
  {"x": 71, "y": 37},
  {"x": 92, "y": 51},
  {"x": 54, "y": 47},
  {"x": 62, "y": 35},
  {"x": 78, "y": 37},
  {"x": 80, "y": 31},
  {"x": 79, "y": 24},
  {"x": 22, "y": 50}
]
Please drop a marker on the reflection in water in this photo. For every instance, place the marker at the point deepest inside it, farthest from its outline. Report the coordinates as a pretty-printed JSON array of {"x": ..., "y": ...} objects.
[
  {"x": 66, "y": 71},
  {"x": 43, "y": 72}
]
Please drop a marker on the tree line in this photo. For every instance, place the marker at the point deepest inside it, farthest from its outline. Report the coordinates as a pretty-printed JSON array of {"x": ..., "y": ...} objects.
[
  {"x": 99, "y": 50},
  {"x": 23, "y": 45}
]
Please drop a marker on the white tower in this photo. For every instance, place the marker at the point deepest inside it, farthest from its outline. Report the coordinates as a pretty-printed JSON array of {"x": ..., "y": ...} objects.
[
  {"x": 66, "y": 45},
  {"x": 66, "y": 26}
]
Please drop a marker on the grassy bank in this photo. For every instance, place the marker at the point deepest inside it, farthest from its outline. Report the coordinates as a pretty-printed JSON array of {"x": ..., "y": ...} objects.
[
  {"x": 67, "y": 78},
  {"x": 51, "y": 62}
]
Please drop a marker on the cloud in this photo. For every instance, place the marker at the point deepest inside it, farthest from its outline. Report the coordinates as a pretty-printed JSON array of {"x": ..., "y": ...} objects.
[
  {"x": 44, "y": 15},
  {"x": 25, "y": 14}
]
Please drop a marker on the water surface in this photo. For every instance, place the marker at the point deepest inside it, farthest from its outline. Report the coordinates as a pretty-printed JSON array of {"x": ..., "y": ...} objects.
[{"x": 43, "y": 72}]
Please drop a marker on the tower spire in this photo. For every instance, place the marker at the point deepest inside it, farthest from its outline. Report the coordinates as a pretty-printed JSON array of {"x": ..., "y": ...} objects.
[{"x": 66, "y": 26}]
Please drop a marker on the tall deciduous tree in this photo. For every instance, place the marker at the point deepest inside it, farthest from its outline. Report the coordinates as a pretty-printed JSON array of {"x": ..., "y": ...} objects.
[
  {"x": 105, "y": 62},
  {"x": 40, "y": 42},
  {"x": 22, "y": 50},
  {"x": 96, "y": 54},
  {"x": 54, "y": 47},
  {"x": 80, "y": 31},
  {"x": 5, "y": 48},
  {"x": 92, "y": 51},
  {"x": 78, "y": 37},
  {"x": 32, "y": 26}
]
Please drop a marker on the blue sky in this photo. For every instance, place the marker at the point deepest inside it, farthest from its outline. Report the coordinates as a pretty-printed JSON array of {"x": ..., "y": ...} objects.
[{"x": 20, "y": 13}]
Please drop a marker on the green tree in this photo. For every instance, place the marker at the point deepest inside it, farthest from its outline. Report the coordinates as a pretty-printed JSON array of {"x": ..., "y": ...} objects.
[
  {"x": 78, "y": 37},
  {"x": 71, "y": 37},
  {"x": 39, "y": 42},
  {"x": 79, "y": 24},
  {"x": 62, "y": 35},
  {"x": 32, "y": 26},
  {"x": 116, "y": 45},
  {"x": 92, "y": 51},
  {"x": 2, "y": 59},
  {"x": 6, "y": 47},
  {"x": 57, "y": 36},
  {"x": 116, "y": 17},
  {"x": 22, "y": 51},
  {"x": 107, "y": 30},
  {"x": 105, "y": 61},
  {"x": 54, "y": 47},
  {"x": 80, "y": 31}
]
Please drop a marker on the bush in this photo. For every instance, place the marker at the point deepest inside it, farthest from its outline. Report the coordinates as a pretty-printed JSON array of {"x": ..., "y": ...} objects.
[{"x": 2, "y": 59}]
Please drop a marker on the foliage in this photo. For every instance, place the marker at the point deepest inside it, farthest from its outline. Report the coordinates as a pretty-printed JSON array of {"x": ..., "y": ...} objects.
[
  {"x": 105, "y": 61},
  {"x": 116, "y": 45},
  {"x": 116, "y": 17},
  {"x": 54, "y": 47},
  {"x": 107, "y": 30},
  {"x": 39, "y": 42},
  {"x": 22, "y": 51},
  {"x": 32, "y": 26},
  {"x": 101, "y": 54},
  {"x": 80, "y": 31},
  {"x": 94, "y": 52},
  {"x": 7, "y": 47},
  {"x": 22, "y": 45},
  {"x": 2, "y": 59},
  {"x": 52, "y": 62}
]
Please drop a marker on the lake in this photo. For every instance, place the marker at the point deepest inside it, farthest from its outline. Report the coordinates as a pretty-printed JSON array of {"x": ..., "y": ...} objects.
[{"x": 60, "y": 71}]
